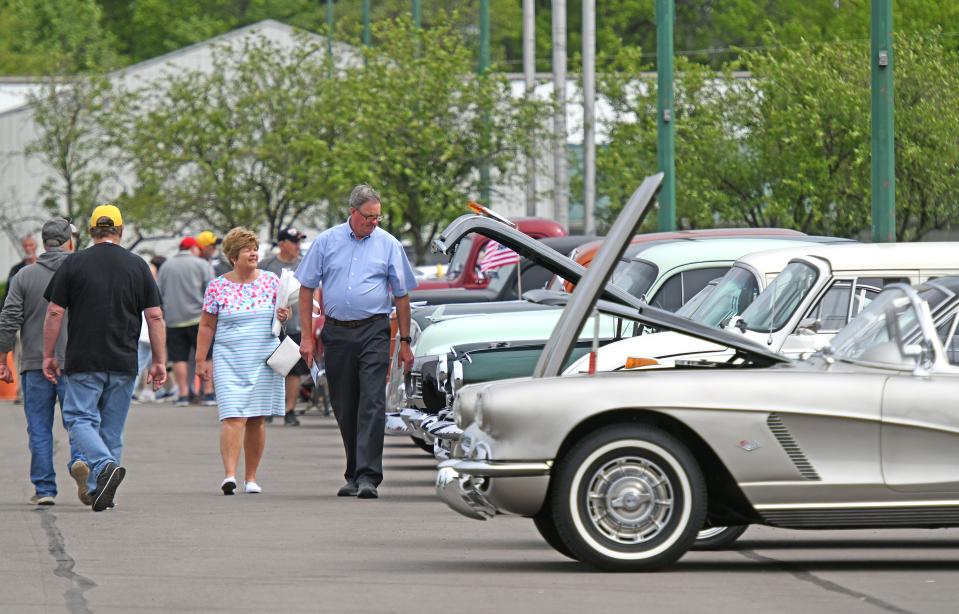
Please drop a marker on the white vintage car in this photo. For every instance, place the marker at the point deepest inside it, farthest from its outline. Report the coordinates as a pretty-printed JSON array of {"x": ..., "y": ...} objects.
[{"x": 820, "y": 289}]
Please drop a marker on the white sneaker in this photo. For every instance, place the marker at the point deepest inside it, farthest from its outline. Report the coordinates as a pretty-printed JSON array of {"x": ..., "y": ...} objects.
[
  {"x": 228, "y": 485},
  {"x": 253, "y": 488}
]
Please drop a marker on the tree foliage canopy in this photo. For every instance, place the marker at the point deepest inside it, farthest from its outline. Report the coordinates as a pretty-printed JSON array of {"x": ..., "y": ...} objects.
[
  {"x": 278, "y": 135},
  {"x": 790, "y": 146}
]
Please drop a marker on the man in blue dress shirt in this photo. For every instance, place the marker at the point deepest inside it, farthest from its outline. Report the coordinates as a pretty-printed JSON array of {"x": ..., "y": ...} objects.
[{"x": 359, "y": 266}]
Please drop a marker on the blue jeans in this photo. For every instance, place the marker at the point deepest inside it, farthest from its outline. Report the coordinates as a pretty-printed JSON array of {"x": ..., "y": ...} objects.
[
  {"x": 39, "y": 406},
  {"x": 95, "y": 406}
]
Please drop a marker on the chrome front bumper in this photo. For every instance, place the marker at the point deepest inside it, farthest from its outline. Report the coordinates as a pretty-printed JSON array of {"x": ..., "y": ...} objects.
[{"x": 463, "y": 484}]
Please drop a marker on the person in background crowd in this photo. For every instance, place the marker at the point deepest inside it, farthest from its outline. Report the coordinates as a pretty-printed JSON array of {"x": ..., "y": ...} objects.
[
  {"x": 29, "y": 245},
  {"x": 106, "y": 290},
  {"x": 23, "y": 313},
  {"x": 182, "y": 283},
  {"x": 288, "y": 241},
  {"x": 144, "y": 352},
  {"x": 359, "y": 266},
  {"x": 239, "y": 308},
  {"x": 207, "y": 241}
]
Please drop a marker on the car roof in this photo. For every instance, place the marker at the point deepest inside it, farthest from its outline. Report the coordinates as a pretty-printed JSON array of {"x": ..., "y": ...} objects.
[
  {"x": 700, "y": 233},
  {"x": 863, "y": 256},
  {"x": 669, "y": 255}
]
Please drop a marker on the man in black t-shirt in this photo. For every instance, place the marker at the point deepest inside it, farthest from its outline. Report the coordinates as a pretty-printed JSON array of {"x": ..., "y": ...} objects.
[{"x": 104, "y": 288}]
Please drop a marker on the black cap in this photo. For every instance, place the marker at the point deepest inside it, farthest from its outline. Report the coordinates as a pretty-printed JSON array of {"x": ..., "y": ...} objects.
[
  {"x": 290, "y": 234},
  {"x": 57, "y": 231}
]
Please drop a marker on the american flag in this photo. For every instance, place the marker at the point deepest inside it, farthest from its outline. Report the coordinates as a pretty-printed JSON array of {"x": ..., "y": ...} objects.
[{"x": 497, "y": 256}]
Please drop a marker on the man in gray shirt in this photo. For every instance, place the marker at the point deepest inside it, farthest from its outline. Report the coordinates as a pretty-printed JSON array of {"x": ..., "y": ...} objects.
[
  {"x": 288, "y": 241},
  {"x": 182, "y": 281},
  {"x": 24, "y": 312}
]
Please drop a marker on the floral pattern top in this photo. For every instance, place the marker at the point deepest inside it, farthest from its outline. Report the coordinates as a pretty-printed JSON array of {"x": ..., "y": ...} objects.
[{"x": 224, "y": 296}]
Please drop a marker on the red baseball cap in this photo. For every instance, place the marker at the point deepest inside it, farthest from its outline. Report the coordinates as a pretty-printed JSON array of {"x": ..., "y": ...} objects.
[{"x": 187, "y": 243}]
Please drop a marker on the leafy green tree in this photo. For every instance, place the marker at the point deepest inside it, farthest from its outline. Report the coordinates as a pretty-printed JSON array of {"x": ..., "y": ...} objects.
[
  {"x": 42, "y": 37},
  {"x": 790, "y": 146},
  {"x": 235, "y": 146},
  {"x": 72, "y": 143},
  {"x": 421, "y": 124}
]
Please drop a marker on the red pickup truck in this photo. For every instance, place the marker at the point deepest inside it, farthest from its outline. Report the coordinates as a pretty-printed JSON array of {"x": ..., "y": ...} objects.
[{"x": 463, "y": 269}]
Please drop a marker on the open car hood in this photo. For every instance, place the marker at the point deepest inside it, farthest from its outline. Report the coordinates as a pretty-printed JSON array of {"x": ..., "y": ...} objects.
[
  {"x": 587, "y": 295},
  {"x": 524, "y": 245}
]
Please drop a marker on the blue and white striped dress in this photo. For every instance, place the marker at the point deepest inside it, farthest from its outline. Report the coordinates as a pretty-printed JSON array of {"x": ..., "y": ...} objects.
[{"x": 245, "y": 386}]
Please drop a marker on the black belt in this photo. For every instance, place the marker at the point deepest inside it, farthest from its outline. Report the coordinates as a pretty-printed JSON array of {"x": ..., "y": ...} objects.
[{"x": 356, "y": 323}]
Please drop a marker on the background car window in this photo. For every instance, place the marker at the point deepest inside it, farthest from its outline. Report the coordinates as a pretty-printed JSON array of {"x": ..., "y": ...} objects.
[
  {"x": 458, "y": 261},
  {"x": 534, "y": 276},
  {"x": 833, "y": 309},
  {"x": 950, "y": 339},
  {"x": 867, "y": 288},
  {"x": 670, "y": 294},
  {"x": 635, "y": 277},
  {"x": 697, "y": 279}
]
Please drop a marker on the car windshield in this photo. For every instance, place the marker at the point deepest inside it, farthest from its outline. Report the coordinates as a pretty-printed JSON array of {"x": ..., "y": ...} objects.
[
  {"x": 458, "y": 261},
  {"x": 635, "y": 276},
  {"x": 884, "y": 333},
  {"x": 776, "y": 304},
  {"x": 733, "y": 293}
]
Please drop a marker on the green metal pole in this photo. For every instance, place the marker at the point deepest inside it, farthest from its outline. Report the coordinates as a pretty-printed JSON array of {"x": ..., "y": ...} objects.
[
  {"x": 366, "y": 23},
  {"x": 329, "y": 27},
  {"x": 883, "y": 125},
  {"x": 665, "y": 16},
  {"x": 484, "y": 62},
  {"x": 417, "y": 14}
]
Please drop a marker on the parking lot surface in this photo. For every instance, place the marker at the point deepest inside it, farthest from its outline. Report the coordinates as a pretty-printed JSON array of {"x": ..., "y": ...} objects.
[{"x": 175, "y": 544}]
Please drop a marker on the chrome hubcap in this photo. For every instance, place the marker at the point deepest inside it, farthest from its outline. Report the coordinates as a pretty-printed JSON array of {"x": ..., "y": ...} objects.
[{"x": 629, "y": 500}]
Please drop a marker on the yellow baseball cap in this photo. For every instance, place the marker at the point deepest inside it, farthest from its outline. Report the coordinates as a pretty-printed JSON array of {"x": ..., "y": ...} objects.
[
  {"x": 107, "y": 211},
  {"x": 207, "y": 238}
]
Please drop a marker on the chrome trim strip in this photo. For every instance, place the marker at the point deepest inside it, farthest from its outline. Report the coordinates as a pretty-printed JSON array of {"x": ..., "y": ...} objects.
[
  {"x": 501, "y": 470},
  {"x": 856, "y": 505}
]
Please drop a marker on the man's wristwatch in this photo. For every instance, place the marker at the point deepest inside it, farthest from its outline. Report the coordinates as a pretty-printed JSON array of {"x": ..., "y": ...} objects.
[{"x": 407, "y": 339}]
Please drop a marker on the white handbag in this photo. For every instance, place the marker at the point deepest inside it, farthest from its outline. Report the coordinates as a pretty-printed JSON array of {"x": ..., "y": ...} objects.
[{"x": 284, "y": 356}]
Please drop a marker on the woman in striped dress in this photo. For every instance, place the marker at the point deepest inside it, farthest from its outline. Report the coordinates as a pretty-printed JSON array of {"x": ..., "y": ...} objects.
[{"x": 239, "y": 308}]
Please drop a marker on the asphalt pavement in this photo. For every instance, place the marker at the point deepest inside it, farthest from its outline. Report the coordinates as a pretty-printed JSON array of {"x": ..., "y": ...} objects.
[{"x": 176, "y": 544}]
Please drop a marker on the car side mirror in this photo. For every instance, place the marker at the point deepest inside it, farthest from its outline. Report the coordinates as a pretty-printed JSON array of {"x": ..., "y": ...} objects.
[
  {"x": 457, "y": 382},
  {"x": 923, "y": 352},
  {"x": 809, "y": 326},
  {"x": 735, "y": 322}
]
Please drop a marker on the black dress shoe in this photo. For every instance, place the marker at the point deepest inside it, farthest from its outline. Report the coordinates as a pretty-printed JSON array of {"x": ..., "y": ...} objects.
[
  {"x": 290, "y": 419},
  {"x": 367, "y": 491},
  {"x": 347, "y": 490}
]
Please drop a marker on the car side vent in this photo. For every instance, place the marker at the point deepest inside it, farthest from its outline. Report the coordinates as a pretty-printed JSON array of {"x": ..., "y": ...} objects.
[{"x": 792, "y": 449}]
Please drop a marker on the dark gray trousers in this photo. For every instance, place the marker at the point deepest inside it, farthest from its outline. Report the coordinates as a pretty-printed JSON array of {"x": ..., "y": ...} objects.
[{"x": 357, "y": 360}]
